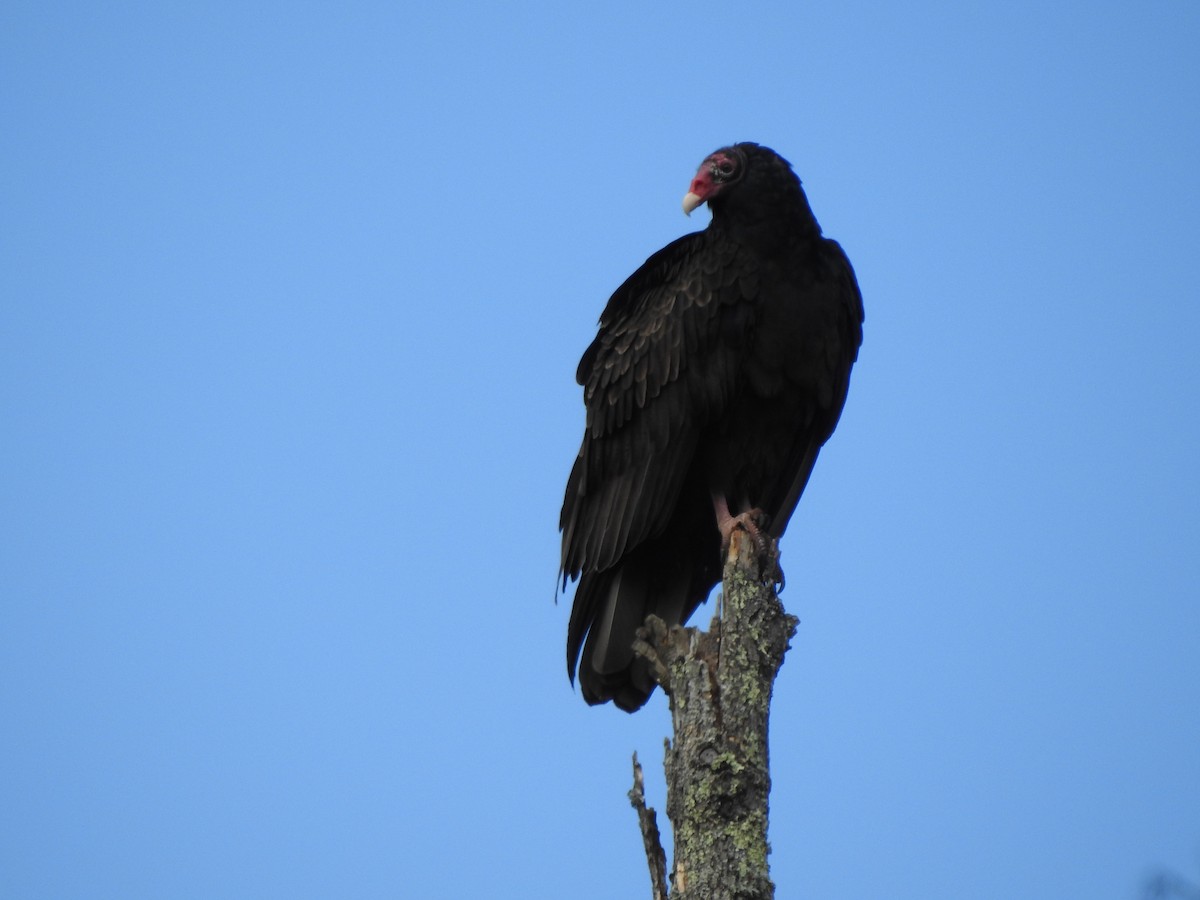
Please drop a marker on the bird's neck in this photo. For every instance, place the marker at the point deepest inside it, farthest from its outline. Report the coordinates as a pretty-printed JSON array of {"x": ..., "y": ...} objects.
[{"x": 768, "y": 232}]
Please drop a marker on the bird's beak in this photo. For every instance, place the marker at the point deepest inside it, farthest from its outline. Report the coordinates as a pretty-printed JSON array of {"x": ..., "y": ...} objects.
[{"x": 699, "y": 190}]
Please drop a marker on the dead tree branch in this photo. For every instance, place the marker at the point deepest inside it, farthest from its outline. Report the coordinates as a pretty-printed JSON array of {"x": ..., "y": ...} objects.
[{"x": 719, "y": 684}]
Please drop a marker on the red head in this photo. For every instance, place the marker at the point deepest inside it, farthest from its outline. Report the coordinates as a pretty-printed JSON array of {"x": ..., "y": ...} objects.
[{"x": 720, "y": 169}]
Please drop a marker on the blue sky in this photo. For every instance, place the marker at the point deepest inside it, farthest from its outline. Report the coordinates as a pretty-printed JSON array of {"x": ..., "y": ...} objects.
[{"x": 292, "y": 298}]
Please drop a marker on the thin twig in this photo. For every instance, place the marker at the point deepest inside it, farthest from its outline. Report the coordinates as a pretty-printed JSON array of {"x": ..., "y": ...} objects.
[{"x": 651, "y": 839}]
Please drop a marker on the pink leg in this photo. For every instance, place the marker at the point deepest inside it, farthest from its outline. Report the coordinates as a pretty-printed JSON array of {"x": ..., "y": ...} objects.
[{"x": 753, "y": 521}]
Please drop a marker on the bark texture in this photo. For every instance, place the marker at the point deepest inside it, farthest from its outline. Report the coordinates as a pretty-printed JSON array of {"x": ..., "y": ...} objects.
[{"x": 719, "y": 684}]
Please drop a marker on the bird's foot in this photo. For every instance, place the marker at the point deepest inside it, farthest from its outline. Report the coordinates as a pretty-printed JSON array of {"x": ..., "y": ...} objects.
[{"x": 754, "y": 523}]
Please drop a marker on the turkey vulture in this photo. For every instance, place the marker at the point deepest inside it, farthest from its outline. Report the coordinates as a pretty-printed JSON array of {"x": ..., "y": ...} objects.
[{"x": 720, "y": 368}]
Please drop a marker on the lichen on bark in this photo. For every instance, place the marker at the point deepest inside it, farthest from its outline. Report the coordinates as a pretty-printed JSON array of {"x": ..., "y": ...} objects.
[{"x": 719, "y": 684}]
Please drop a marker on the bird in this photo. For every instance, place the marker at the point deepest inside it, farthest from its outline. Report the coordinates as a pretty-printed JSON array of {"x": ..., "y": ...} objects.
[{"x": 718, "y": 371}]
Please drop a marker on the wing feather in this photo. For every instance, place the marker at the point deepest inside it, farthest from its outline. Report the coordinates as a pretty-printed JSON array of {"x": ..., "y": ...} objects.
[{"x": 657, "y": 370}]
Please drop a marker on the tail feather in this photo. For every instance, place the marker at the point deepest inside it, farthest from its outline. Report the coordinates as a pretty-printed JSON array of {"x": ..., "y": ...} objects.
[
  {"x": 668, "y": 576},
  {"x": 611, "y": 607}
]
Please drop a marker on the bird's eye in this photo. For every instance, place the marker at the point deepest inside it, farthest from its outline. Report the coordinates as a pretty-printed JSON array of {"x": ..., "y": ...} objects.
[{"x": 724, "y": 168}]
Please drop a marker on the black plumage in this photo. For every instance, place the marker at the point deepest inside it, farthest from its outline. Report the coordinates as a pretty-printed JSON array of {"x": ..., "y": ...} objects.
[{"x": 720, "y": 369}]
